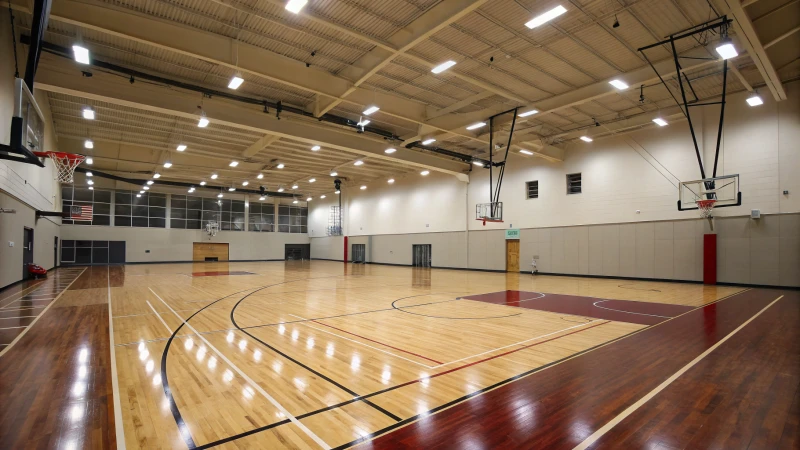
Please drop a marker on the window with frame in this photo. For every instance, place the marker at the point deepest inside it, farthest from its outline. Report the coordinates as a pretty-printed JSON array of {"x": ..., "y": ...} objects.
[
  {"x": 186, "y": 212},
  {"x": 98, "y": 199},
  {"x": 262, "y": 217},
  {"x": 140, "y": 210},
  {"x": 573, "y": 183},
  {"x": 532, "y": 189},
  {"x": 292, "y": 219},
  {"x": 229, "y": 214}
]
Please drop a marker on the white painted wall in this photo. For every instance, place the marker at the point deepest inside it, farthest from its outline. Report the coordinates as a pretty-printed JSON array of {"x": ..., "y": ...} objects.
[{"x": 12, "y": 229}]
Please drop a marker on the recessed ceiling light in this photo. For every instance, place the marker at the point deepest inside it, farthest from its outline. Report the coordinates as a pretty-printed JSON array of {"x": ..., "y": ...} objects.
[
  {"x": 294, "y": 186},
  {"x": 141, "y": 192},
  {"x": 529, "y": 113},
  {"x": 475, "y": 126},
  {"x": 390, "y": 180},
  {"x": 88, "y": 113},
  {"x": 726, "y": 49},
  {"x": 546, "y": 17},
  {"x": 478, "y": 163},
  {"x": 280, "y": 189},
  {"x": 91, "y": 188},
  {"x": 231, "y": 189},
  {"x": 309, "y": 199},
  {"x": 235, "y": 82},
  {"x": 295, "y": 201},
  {"x": 234, "y": 163},
  {"x": 586, "y": 139},
  {"x": 89, "y": 161},
  {"x": 245, "y": 183},
  {"x": 156, "y": 175},
  {"x": 138, "y": 195},
  {"x": 661, "y": 122},
  {"x": 334, "y": 173},
  {"x": 262, "y": 198},
  {"x": 371, "y": 110},
  {"x": 89, "y": 174},
  {"x": 89, "y": 182},
  {"x": 428, "y": 141},
  {"x": 202, "y": 183},
  {"x": 526, "y": 152},
  {"x": 167, "y": 164},
  {"x": 260, "y": 176},
  {"x": 81, "y": 54},
  {"x": 389, "y": 151},
  {"x": 321, "y": 196},
  {"x": 295, "y": 5},
  {"x": 358, "y": 163},
  {"x": 181, "y": 148},
  {"x": 88, "y": 143},
  {"x": 619, "y": 84},
  {"x": 280, "y": 166},
  {"x": 214, "y": 176},
  {"x": 219, "y": 195},
  {"x": 315, "y": 148},
  {"x": 443, "y": 66},
  {"x": 755, "y": 101},
  {"x": 312, "y": 180},
  {"x": 150, "y": 182},
  {"x": 337, "y": 192},
  {"x": 203, "y": 121},
  {"x": 425, "y": 172},
  {"x": 363, "y": 187},
  {"x": 146, "y": 188}
]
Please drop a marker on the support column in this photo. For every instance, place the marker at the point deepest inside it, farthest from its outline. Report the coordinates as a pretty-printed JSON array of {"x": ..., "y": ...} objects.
[
  {"x": 710, "y": 259},
  {"x": 345, "y": 249}
]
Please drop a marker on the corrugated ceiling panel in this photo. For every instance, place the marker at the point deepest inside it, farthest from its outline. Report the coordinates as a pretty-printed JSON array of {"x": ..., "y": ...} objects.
[
  {"x": 604, "y": 43},
  {"x": 584, "y": 59},
  {"x": 554, "y": 65}
]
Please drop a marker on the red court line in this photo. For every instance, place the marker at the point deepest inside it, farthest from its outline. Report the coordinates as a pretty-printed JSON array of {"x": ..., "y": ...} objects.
[{"x": 377, "y": 342}]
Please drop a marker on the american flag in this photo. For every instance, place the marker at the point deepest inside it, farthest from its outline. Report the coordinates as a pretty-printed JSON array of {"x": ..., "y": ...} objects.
[{"x": 81, "y": 213}]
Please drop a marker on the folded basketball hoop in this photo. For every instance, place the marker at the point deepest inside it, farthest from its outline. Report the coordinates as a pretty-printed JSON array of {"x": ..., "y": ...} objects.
[
  {"x": 65, "y": 164},
  {"x": 705, "y": 207}
]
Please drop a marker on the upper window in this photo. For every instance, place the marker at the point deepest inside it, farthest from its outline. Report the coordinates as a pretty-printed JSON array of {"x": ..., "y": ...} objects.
[
  {"x": 574, "y": 183},
  {"x": 98, "y": 199},
  {"x": 262, "y": 217},
  {"x": 186, "y": 212},
  {"x": 140, "y": 210},
  {"x": 532, "y": 189},
  {"x": 228, "y": 213},
  {"x": 292, "y": 219}
]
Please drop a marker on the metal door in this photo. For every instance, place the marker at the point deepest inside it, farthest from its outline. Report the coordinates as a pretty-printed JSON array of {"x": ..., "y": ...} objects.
[
  {"x": 27, "y": 252},
  {"x": 422, "y": 255},
  {"x": 359, "y": 253}
]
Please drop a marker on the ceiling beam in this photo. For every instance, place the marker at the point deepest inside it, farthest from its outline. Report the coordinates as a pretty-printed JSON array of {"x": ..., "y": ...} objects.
[
  {"x": 433, "y": 20},
  {"x": 59, "y": 75},
  {"x": 746, "y": 34},
  {"x": 259, "y": 145}
]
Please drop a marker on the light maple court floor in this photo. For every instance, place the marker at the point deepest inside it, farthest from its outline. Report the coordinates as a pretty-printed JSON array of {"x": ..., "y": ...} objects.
[{"x": 322, "y": 354}]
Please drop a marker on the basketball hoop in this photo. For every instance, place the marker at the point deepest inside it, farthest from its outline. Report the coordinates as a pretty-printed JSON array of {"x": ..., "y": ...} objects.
[
  {"x": 212, "y": 228},
  {"x": 65, "y": 164},
  {"x": 705, "y": 207}
]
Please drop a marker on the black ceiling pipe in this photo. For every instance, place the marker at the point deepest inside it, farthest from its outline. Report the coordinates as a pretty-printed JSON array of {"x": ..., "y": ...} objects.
[{"x": 41, "y": 15}]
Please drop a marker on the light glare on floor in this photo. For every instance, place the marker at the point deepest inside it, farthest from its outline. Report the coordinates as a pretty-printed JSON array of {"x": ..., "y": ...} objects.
[{"x": 546, "y": 17}]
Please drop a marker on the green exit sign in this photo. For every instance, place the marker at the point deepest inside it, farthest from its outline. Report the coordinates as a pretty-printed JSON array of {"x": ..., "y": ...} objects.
[{"x": 512, "y": 234}]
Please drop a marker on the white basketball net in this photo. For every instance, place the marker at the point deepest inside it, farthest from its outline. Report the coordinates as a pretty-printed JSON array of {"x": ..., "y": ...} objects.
[
  {"x": 65, "y": 165},
  {"x": 706, "y": 207},
  {"x": 212, "y": 228}
]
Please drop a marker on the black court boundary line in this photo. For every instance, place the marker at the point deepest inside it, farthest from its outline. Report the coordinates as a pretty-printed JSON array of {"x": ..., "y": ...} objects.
[
  {"x": 446, "y": 405},
  {"x": 183, "y": 430},
  {"x": 315, "y": 372},
  {"x": 443, "y": 317}
]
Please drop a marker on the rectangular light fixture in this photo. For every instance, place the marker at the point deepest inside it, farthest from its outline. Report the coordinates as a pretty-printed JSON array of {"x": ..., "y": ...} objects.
[
  {"x": 245, "y": 183},
  {"x": 586, "y": 139},
  {"x": 315, "y": 148},
  {"x": 167, "y": 164},
  {"x": 428, "y": 141},
  {"x": 88, "y": 143},
  {"x": 89, "y": 161},
  {"x": 260, "y": 176},
  {"x": 202, "y": 183},
  {"x": 181, "y": 148},
  {"x": 81, "y": 54},
  {"x": 363, "y": 123},
  {"x": 660, "y": 122},
  {"x": 755, "y": 101},
  {"x": 156, "y": 175},
  {"x": 389, "y": 151},
  {"x": 371, "y": 110},
  {"x": 358, "y": 163},
  {"x": 478, "y": 163},
  {"x": 546, "y": 17},
  {"x": 443, "y": 66},
  {"x": 234, "y": 163},
  {"x": 475, "y": 126},
  {"x": 526, "y": 152},
  {"x": 619, "y": 84},
  {"x": 295, "y": 6},
  {"x": 235, "y": 82},
  {"x": 528, "y": 113},
  {"x": 203, "y": 122},
  {"x": 280, "y": 166},
  {"x": 726, "y": 49},
  {"x": 88, "y": 113},
  {"x": 425, "y": 173},
  {"x": 214, "y": 176}
]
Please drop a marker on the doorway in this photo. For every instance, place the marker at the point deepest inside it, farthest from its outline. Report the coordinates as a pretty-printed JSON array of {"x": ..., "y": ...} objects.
[
  {"x": 297, "y": 252},
  {"x": 422, "y": 255},
  {"x": 360, "y": 253},
  {"x": 512, "y": 255},
  {"x": 27, "y": 252}
]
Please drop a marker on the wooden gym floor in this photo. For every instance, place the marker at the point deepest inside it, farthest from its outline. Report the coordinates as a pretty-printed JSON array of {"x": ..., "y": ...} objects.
[{"x": 323, "y": 354}]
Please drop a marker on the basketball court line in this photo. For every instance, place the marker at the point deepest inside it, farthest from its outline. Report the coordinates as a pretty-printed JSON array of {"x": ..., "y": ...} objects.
[
  {"x": 249, "y": 380},
  {"x": 638, "y": 404},
  {"x": 627, "y": 312},
  {"x": 119, "y": 429},
  {"x": 22, "y": 292},
  {"x": 19, "y": 336}
]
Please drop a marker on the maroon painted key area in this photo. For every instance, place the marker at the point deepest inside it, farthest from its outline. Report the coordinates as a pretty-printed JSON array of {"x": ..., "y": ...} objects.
[{"x": 643, "y": 313}]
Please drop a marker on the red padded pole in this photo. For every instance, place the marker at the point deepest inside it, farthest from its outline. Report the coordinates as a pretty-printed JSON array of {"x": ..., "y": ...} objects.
[
  {"x": 345, "y": 249},
  {"x": 710, "y": 259}
]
